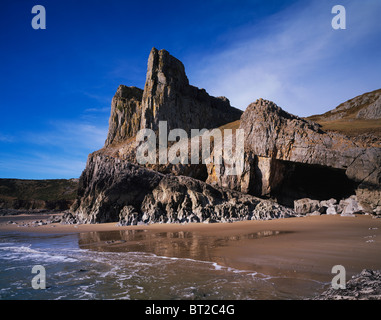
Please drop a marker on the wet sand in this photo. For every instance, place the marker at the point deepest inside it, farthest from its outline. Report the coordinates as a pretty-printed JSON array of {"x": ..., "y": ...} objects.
[{"x": 302, "y": 248}]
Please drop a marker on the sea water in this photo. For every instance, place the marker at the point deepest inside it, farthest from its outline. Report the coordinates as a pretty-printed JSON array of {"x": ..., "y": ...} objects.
[{"x": 76, "y": 270}]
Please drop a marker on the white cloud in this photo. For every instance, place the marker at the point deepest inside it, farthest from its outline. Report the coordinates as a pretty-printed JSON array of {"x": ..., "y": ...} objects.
[
  {"x": 58, "y": 151},
  {"x": 292, "y": 58},
  {"x": 40, "y": 166},
  {"x": 72, "y": 136}
]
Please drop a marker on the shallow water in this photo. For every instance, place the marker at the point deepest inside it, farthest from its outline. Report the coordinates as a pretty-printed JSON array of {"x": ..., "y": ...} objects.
[{"x": 135, "y": 265}]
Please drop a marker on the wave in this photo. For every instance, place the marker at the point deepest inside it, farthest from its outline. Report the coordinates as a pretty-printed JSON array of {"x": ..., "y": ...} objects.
[
  {"x": 26, "y": 252},
  {"x": 76, "y": 273},
  {"x": 215, "y": 265}
]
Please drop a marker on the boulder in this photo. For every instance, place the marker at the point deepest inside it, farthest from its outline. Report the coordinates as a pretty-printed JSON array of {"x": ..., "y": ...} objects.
[
  {"x": 332, "y": 209},
  {"x": 350, "y": 206},
  {"x": 328, "y": 203},
  {"x": 306, "y": 205}
]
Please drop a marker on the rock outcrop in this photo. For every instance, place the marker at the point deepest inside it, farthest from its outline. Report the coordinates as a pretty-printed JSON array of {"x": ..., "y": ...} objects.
[
  {"x": 285, "y": 158},
  {"x": 167, "y": 96},
  {"x": 114, "y": 190},
  {"x": 126, "y": 109},
  {"x": 113, "y": 187},
  {"x": 363, "y": 286},
  {"x": 291, "y": 158}
]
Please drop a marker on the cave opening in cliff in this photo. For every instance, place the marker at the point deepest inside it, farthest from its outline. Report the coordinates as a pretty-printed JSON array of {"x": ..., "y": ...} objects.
[{"x": 312, "y": 181}]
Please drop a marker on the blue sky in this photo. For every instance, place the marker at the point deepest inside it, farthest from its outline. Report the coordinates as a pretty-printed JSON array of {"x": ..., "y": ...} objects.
[{"x": 56, "y": 85}]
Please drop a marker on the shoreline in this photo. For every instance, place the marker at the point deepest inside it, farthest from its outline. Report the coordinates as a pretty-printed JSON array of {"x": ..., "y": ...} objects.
[{"x": 296, "y": 248}]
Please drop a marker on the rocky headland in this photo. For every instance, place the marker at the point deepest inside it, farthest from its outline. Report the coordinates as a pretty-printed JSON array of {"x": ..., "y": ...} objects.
[
  {"x": 292, "y": 166},
  {"x": 19, "y": 196}
]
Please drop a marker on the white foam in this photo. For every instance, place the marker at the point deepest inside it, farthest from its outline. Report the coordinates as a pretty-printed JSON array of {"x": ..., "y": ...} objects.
[
  {"x": 21, "y": 249},
  {"x": 217, "y": 266},
  {"x": 26, "y": 252}
]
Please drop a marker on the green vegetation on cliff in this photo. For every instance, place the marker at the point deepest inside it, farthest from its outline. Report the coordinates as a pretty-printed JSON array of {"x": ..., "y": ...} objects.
[{"x": 37, "y": 194}]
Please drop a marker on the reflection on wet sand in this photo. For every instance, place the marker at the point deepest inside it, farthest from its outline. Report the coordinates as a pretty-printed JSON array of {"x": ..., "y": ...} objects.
[{"x": 179, "y": 244}]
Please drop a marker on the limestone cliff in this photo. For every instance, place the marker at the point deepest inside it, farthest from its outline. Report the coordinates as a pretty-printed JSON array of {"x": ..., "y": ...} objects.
[
  {"x": 290, "y": 158},
  {"x": 286, "y": 158},
  {"x": 125, "y": 114},
  {"x": 114, "y": 190},
  {"x": 167, "y": 96}
]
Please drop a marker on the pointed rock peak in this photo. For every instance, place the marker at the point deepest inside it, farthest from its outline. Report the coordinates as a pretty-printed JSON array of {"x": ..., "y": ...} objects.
[
  {"x": 163, "y": 68},
  {"x": 154, "y": 51}
]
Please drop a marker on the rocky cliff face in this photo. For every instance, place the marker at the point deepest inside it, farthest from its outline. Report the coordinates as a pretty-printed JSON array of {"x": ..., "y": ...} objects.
[
  {"x": 290, "y": 158},
  {"x": 114, "y": 190},
  {"x": 126, "y": 107},
  {"x": 273, "y": 133},
  {"x": 286, "y": 158},
  {"x": 167, "y": 96}
]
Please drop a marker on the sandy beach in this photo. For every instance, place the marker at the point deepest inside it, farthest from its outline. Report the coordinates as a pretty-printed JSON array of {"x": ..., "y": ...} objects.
[{"x": 303, "y": 247}]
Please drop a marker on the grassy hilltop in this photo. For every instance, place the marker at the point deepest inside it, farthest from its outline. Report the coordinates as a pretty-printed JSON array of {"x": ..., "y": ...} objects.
[{"x": 55, "y": 194}]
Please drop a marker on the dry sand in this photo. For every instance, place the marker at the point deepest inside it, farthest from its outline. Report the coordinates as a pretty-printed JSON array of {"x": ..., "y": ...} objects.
[{"x": 305, "y": 247}]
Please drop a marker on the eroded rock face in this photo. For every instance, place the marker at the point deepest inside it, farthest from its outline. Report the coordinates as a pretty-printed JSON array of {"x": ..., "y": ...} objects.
[
  {"x": 125, "y": 115},
  {"x": 271, "y": 132},
  {"x": 278, "y": 144},
  {"x": 115, "y": 190},
  {"x": 169, "y": 96},
  {"x": 107, "y": 185},
  {"x": 281, "y": 151}
]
